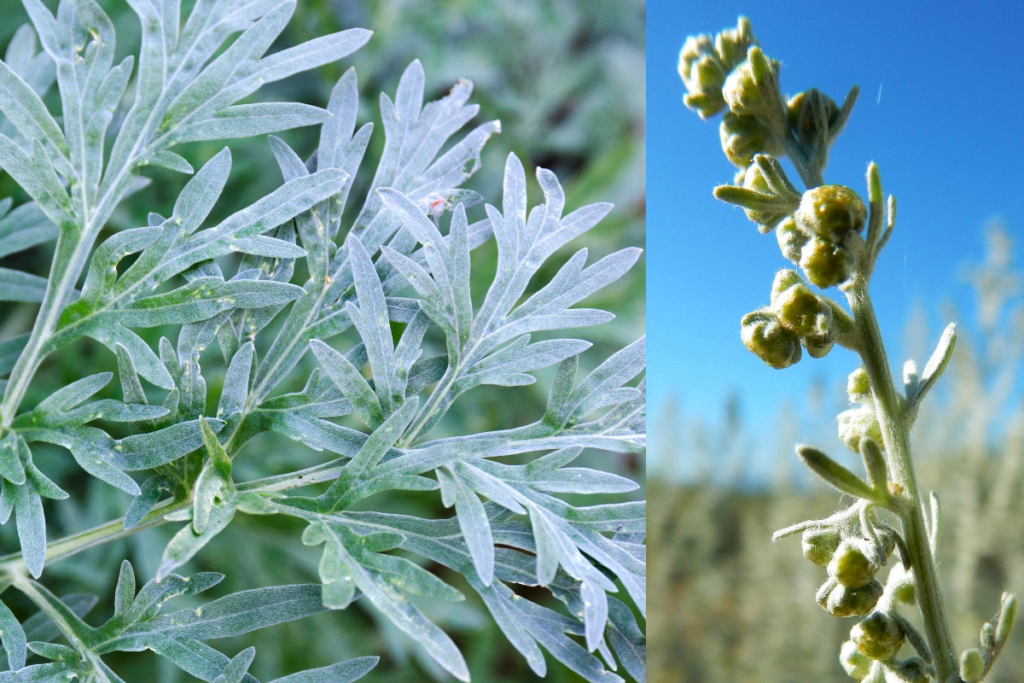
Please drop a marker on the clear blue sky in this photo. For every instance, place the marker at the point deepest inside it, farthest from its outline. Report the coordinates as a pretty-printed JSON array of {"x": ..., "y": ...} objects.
[{"x": 942, "y": 113}]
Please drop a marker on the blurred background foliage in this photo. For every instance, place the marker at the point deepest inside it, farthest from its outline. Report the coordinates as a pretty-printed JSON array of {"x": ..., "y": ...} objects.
[
  {"x": 566, "y": 79},
  {"x": 735, "y": 608}
]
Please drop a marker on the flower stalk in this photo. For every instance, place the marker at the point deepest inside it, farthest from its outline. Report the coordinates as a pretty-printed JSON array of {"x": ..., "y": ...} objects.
[{"x": 834, "y": 238}]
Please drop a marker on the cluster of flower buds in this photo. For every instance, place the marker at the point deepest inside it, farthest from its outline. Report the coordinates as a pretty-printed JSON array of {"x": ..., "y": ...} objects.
[
  {"x": 704, "y": 65},
  {"x": 860, "y": 420},
  {"x": 796, "y": 317},
  {"x": 852, "y": 563},
  {"x": 822, "y": 234}
]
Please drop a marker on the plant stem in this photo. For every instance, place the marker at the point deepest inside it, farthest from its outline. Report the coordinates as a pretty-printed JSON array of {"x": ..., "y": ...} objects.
[
  {"x": 890, "y": 411},
  {"x": 14, "y": 566}
]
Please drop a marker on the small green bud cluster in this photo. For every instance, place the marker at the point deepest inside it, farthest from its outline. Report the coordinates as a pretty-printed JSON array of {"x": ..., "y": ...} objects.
[
  {"x": 821, "y": 235},
  {"x": 852, "y": 563},
  {"x": 796, "y": 317},
  {"x": 878, "y": 637},
  {"x": 704, "y": 65}
]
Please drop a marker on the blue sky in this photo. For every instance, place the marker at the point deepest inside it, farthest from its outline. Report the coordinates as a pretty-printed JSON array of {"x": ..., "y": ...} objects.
[{"x": 940, "y": 111}]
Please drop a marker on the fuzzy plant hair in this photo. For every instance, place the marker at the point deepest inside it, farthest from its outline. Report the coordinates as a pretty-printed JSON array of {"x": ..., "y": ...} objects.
[
  {"x": 403, "y": 264},
  {"x": 835, "y": 239}
]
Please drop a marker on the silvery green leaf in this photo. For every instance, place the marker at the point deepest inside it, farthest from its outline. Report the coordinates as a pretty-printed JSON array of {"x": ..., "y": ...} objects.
[
  {"x": 599, "y": 388},
  {"x": 231, "y": 615},
  {"x": 36, "y": 69},
  {"x": 146, "y": 451},
  {"x": 335, "y": 568},
  {"x": 214, "y": 481},
  {"x": 28, "y": 509},
  {"x": 124, "y": 592},
  {"x": 201, "y": 192},
  {"x": 54, "y": 652},
  {"x": 203, "y": 298},
  {"x": 17, "y": 286},
  {"x": 39, "y": 179},
  {"x": 131, "y": 387},
  {"x": 411, "y": 620},
  {"x": 371, "y": 319},
  {"x": 13, "y": 637},
  {"x": 472, "y": 521},
  {"x": 410, "y": 577},
  {"x": 70, "y": 396},
  {"x": 351, "y": 383},
  {"x": 246, "y": 120},
  {"x": 186, "y": 543},
  {"x": 24, "y": 108},
  {"x": 342, "y": 672},
  {"x": 168, "y": 159},
  {"x": 91, "y": 449},
  {"x": 237, "y": 668},
  {"x": 24, "y": 227},
  {"x": 236, "y": 381}
]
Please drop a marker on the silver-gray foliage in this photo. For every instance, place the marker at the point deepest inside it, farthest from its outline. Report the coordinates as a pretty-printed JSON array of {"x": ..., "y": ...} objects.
[{"x": 393, "y": 264}]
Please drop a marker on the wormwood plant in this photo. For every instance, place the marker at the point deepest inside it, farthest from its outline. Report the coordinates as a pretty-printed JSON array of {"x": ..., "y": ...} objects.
[
  {"x": 835, "y": 239},
  {"x": 190, "y": 79}
]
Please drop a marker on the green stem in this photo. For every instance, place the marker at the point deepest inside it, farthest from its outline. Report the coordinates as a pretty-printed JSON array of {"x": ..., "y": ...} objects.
[
  {"x": 14, "y": 566},
  {"x": 890, "y": 410}
]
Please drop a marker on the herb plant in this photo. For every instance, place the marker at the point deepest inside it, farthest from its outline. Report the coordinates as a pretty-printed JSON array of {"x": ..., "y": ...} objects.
[
  {"x": 835, "y": 239},
  {"x": 77, "y": 170}
]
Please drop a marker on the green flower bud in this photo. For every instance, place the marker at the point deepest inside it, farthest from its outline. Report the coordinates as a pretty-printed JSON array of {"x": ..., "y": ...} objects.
[
  {"x": 856, "y": 423},
  {"x": 800, "y": 310},
  {"x": 831, "y": 211},
  {"x": 743, "y": 137},
  {"x": 851, "y": 566},
  {"x": 811, "y": 115},
  {"x": 767, "y": 339},
  {"x": 819, "y": 545},
  {"x": 878, "y": 637},
  {"x": 818, "y": 346},
  {"x": 855, "y": 664},
  {"x": 858, "y": 387},
  {"x": 784, "y": 279},
  {"x": 732, "y": 44},
  {"x": 703, "y": 75},
  {"x": 791, "y": 239},
  {"x": 972, "y": 666},
  {"x": 825, "y": 263},
  {"x": 753, "y": 86},
  {"x": 902, "y": 585},
  {"x": 853, "y": 602}
]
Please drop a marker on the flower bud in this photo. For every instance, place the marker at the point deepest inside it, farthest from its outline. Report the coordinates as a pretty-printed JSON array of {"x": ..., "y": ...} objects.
[
  {"x": 855, "y": 664},
  {"x": 852, "y": 602},
  {"x": 769, "y": 340},
  {"x": 791, "y": 239},
  {"x": 753, "y": 86},
  {"x": 743, "y": 137},
  {"x": 878, "y": 637},
  {"x": 703, "y": 75},
  {"x": 858, "y": 387},
  {"x": 732, "y": 44},
  {"x": 831, "y": 211},
  {"x": 819, "y": 545},
  {"x": 800, "y": 310},
  {"x": 856, "y": 423},
  {"x": 811, "y": 115},
  {"x": 825, "y": 263},
  {"x": 972, "y": 666},
  {"x": 819, "y": 345},
  {"x": 851, "y": 566},
  {"x": 784, "y": 279}
]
